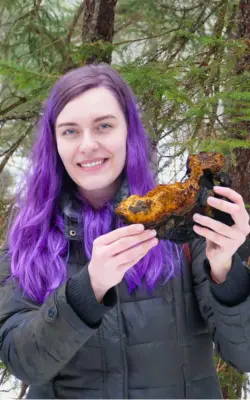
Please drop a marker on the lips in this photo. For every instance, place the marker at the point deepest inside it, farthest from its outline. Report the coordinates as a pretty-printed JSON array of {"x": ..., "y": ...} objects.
[{"x": 92, "y": 163}]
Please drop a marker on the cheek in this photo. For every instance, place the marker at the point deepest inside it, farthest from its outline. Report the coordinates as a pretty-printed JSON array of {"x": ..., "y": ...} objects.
[
  {"x": 121, "y": 146},
  {"x": 115, "y": 143},
  {"x": 124, "y": 147},
  {"x": 119, "y": 152},
  {"x": 64, "y": 151}
]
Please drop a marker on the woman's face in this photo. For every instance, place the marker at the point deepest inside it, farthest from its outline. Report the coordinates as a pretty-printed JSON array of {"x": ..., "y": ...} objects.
[{"x": 91, "y": 133}]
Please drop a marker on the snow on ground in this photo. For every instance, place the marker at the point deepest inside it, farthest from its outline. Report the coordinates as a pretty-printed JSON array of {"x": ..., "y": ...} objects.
[{"x": 8, "y": 391}]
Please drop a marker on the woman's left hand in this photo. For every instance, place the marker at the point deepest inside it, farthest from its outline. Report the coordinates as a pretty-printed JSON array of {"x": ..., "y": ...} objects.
[{"x": 222, "y": 241}]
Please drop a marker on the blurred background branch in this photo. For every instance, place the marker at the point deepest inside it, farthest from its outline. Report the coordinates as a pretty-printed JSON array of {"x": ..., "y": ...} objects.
[{"x": 187, "y": 61}]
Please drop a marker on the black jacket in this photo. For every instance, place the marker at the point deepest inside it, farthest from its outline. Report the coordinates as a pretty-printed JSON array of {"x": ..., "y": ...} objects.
[{"x": 132, "y": 346}]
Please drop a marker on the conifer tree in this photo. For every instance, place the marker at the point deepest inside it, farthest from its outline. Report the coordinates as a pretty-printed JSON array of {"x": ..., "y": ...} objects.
[{"x": 187, "y": 61}]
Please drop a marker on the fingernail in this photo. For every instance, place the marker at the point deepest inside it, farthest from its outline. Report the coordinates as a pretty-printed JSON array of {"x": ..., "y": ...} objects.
[{"x": 140, "y": 227}]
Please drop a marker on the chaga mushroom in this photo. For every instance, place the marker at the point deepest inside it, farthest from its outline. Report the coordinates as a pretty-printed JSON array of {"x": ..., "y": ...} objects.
[{"x": 169, "y": 208}]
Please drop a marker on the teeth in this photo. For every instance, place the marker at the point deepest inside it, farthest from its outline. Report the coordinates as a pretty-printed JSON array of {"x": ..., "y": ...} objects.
[{"x": 93, "y": 164}]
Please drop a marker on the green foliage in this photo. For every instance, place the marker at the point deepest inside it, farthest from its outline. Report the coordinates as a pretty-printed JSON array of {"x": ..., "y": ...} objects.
[
  {"x": 81, "y": 53},
  {"x": 224, "y": 146},
  {"x": 26, "y": 80},
  {"x": 155, "y": 79},
  {"x": 181, "y": 59},
  {"x": 4, "y": 374},
  {"x": 230, "y": 379}
]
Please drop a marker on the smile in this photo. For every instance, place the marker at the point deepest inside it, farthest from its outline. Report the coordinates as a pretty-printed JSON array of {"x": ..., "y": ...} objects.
[{"x": 92, "y": 165}]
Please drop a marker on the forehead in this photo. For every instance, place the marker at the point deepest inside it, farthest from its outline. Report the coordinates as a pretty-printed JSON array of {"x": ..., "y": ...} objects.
[{"x": 89, "y": 105}]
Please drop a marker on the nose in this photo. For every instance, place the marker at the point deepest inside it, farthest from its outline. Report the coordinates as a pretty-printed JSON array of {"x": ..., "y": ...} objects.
[{"x": 88, "y": 142}]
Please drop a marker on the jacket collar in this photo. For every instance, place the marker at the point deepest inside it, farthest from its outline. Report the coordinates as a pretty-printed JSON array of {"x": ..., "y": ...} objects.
[
  {"x": 71, "y": 211},
  {"x": 71, "y": 206}
]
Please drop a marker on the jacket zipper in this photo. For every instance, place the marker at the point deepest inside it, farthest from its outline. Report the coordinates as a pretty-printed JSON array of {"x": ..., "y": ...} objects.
[{"x": 123, "y": 347}]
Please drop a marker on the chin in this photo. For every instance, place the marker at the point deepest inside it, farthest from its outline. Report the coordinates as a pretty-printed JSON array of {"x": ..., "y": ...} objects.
[{"x": 92, "y": 187}]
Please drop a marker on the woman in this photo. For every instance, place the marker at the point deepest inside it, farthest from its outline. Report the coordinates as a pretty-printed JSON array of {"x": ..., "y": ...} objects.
[{"x": 90, "y": 308}]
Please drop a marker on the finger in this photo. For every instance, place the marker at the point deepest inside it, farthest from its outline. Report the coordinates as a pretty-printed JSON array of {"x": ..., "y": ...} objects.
[
  {"x": 234, "y": 196},
  {"x": 237, "y": 212},
  {"x": 135, "y": 252},
  {"x": 230, "y": 194},
  {"x": 118, "y": 233},
  {"x": 126, "y": 266},
  {"x": 126, "y": 242},
  {"x": 216, "y": 238},
  {"x": 223, "y": 205},
  {"x": 123, "y": 268},
  {"x": 216, "y": 226}
]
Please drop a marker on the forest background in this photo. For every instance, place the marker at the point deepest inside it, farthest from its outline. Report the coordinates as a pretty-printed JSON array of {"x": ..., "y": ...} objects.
[{"x": 188, "y": 62}]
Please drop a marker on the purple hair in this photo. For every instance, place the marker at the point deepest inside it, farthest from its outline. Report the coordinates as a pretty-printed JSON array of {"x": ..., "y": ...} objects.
[{"x": 37, "y": 245}]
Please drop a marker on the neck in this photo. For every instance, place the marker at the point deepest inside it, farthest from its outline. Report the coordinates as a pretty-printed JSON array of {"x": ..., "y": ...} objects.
[{"x": 97, "y": 198}]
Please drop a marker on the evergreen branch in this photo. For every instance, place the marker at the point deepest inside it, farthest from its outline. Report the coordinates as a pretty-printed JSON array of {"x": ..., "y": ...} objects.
[
  {"x": 30, "y": 13},
  {"x": 183, "y": 9},
  {"x": 220, "y": 122},
  {"x": 135, "y": 18},
  {"x": 4, "y": 374},
  {"x": 42, "y": 48},
  {"x": 76, "y": 17},
  {"x": 11, "y": 107},
  {"x": 213, "y": 81},
  {"x": 145, "y": 38},
  {"x": 13, "y": 148},
  {"x": 167, "y": 163},
  {"x": 59, "y": 45},
  {"x": 172, "y": 130},
  {"x": 231, "y": 22},
  {"x": 23, "y": 100},
  {"x": 23, "y": 117},
  {"x": 170, "y": 44},
  {"x": 17, "y": 69},
  {"x": 218, "y": 29},
  {"x": 199, "y": 22}
]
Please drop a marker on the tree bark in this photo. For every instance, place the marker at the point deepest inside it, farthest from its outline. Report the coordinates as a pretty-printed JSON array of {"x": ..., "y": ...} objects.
[
  {"x": 98, "y": 29},
  {"x": 239, "y": 167},
  {"x": 239, "y": 170}
]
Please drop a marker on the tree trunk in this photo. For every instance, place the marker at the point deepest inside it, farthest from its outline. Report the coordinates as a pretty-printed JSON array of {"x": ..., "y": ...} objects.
[
  {"x": 239, "y": 167},
  {"x": 239, "y": 170},
  {"x": 98, "y": 30}
]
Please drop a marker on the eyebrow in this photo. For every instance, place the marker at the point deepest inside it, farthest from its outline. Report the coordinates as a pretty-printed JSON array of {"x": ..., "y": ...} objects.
[{"x": 95, "y": 120}]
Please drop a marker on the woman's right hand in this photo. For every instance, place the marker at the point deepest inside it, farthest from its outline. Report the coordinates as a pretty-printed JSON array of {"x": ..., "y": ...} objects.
[{"x": 115, "y": 252}]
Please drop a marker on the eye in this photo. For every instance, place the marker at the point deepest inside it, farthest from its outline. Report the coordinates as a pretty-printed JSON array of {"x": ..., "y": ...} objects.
[
  {"x": 68, "y": 132},
  {"x": 104, "y": 126}
]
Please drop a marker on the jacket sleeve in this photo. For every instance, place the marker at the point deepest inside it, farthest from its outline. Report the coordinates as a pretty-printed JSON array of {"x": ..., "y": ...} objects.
[
  {"x": 36, "y": 341},
  {"x": 229, "y": 325}
]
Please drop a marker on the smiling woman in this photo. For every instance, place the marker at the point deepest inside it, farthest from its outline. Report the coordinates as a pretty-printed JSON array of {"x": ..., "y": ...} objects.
[
  {"x": 90, "y": 308},
  {"x": 93, "y": 152}
]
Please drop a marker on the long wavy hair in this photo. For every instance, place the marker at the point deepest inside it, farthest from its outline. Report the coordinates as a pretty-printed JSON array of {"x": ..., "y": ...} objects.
[{"x": 37, "y": 245}]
